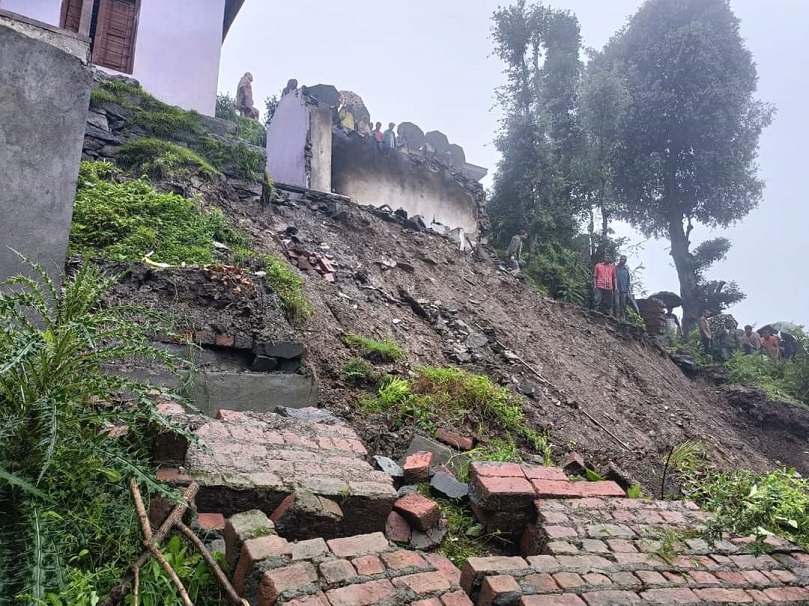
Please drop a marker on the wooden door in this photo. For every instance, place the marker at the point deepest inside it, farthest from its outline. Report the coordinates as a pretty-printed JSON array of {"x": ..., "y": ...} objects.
[
  {"x": 116, "y": 29},
  {"x": 71, "y": 14}
]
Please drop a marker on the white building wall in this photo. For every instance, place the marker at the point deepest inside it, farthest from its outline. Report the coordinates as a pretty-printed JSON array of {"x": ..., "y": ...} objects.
[{"x": 177, "y": 48}]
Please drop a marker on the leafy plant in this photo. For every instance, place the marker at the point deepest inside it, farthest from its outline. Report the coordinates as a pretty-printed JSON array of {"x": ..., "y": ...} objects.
[
  {"x": 634, "y": 492},
  {"x": 765, "y": 373},
  {"x": 357, "y": 371},
  {"x": 63, "y": 475},
  {"x": 251, "y": 131},
  {"x": 283, "y": 280},
  {"x": 226, "y": 107},
  {"x": 465, "y": 537},
  {"x": 126, "y": 219},
  {"x": 235, "y": 157},
  {"x": 161, "y": 159},
  {"x": 386, "y": 350}
]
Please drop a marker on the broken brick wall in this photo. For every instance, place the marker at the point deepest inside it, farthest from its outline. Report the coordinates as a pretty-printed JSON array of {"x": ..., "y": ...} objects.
[{"x": 370, "y": 174}]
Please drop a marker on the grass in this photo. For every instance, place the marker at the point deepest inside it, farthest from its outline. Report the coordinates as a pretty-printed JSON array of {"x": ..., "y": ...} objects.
[
  {"x": 235, "y": 157},
  {"x": 386, "y": 350},
  {"x": 123, "y": 220},
  {"x": 358, "y": 372},
  {"x": 771, "y": 376},
  {"x": 465, "y": 535},
  {"x": 159, "y": 159},
  {"x": 283, "y": 280}
]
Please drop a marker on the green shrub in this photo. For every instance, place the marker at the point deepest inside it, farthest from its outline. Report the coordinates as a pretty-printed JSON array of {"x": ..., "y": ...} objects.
[
  {"x": 561, "y": 272},
  {"x": 125, "y": 220},
  {"x": 283, "y": 280},
  {"x": 377, "y": 351},
  {"x": 763, "y": 372},
  {"x": 63, "y": 479},
  {"x": 226, "y": 107},
  {"x": 159, "y": 159},
  {"x": 251, "y": 131},
  {"x": 357, "y": 371},
  {"x": 235, "y": 157}
]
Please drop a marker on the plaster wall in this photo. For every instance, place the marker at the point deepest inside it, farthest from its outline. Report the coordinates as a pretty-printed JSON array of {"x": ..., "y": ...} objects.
[
  {"x": 44, "y": 95},
  {"x": 320, "y": 122},
  {"x": 363, "y": 172},
  {"x": 177, "y": 47},
  {"x": 286, "y": 141}
]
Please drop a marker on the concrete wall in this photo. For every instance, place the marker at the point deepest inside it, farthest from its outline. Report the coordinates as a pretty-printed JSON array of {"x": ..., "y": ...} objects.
[
  {"x": 320, "y": 119},
  {"x": 286, "y": 141},
  {"x": 369, "y": 176},
  {"x": 44, "y": 95},
  {"x": 177, "y": 48}
]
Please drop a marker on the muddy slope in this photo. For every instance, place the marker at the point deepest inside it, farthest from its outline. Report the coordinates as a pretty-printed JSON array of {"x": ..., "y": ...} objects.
[{"x": 593, "y": 370}]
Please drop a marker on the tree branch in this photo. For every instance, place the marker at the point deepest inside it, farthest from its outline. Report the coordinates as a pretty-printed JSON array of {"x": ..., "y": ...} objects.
[{"x": 232, "y": 596}]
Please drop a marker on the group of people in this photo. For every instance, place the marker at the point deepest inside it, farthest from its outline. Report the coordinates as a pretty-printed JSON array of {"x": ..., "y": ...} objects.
[
  {"x": 728, "y": 339},
  {"x": 366, "y": 128}
]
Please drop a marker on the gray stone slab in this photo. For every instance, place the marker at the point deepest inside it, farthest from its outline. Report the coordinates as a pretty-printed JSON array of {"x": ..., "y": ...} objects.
[
  {"x": 442, "y": 455},
  {"x": 258, "y": 392}
]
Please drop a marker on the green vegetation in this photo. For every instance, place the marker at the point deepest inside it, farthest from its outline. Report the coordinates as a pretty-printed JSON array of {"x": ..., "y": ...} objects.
[
  {"x": 159, "y": 159},
  {"x": 124, "y": 220},
  {"x": 358, "y": 372},
  {"x": 68, "y": 525},
  {"x": 634, "y": 492},
  {"x": 465, "y": 536},
  {"x": 251, "y": 131},
  {"x": 234, "y": 157},
  {"x": 226, "y": 107},
  {"x": 451, "y": 394},
  {"x": 781, "y": 380},
  {"x": 377, "y": 351},
  {"x": 283, "y": 280}
]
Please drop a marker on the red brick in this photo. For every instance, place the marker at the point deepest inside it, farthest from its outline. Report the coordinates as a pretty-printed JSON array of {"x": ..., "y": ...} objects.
[
  {"x": 223, "y": 340},
  {"x": 543, "y": 583},
  {"x": 170, "y": 408},
  {"x": 594, "y": 546},
  {"x": 229, "y": 415},
  {"x": 530, "y": 542},
  {"x": 676, "y": 578},
  {"x": 337, "y": 571},
  {"x": 553, "y": 517},
  {"x": 568, "y": 580},
  {"x": 500, "y": 589},
  {"x": 543, "y": 563},
  {"x": 692, "y": 562},
  {"x": 275, "y": 582},
  {"x": 736, "y": 578},
  {"x": 756, "y": 577},
  {"x": 306, "y": 550},
  {"x": 673, "y": 517},
  {"x": 456, "y": 598},
  {"x": 625, "y": 579},
  {"x": 444, "y": 566},
  {"x": 319, "y": 599},
  {"x": 566, "y": 599},
  {"x": 474, "y": 568},
  {"x": 560, "y": 548},
  {"x": 650, "y": 577},
  {"x": 610, "y": 598},
  {"x": 554, "y": 489},
  {"x": 787, "y": 594},
  {"x": 559, "y": 532},
  {"x": 368, "y": 565},
  {"x": 400, "y": 560},
  {"x": 638, "y": 559},
  {"x": 782, "y": 575},
  {"x": 622, "y": 546},
  {"x": 361, "y": 544},
  {"x": 700, "y": 577},
  {"x": 256, "y": 550},
  {"x": 428, "y": 602},
  {"x": 487, "y": 469},
  {"x": 605, "y": 488},
  {"x": 211, "y": 521},
  {"x": 585, "y": 562},
  {"x": 722, "y": 595},
  {"x": 172, "y": 475},
  {"x": 454, "y": 439},
  {"x": 417, "y": 467},
  {"x": 670, "y": 596},
  {"x": 749, "y": 561},
  {"x": 423, "y": 582},
  {"x": 421, "y": 512},
  {"x": 544, "y": 473},
  {"x": 363, "y": 594},
  {"x": 759, "y": 597},
  {"x": 595, "y": 578}
]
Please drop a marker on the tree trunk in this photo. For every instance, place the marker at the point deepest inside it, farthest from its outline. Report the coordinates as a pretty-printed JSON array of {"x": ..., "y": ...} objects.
[{"x": 685, "y": 272}]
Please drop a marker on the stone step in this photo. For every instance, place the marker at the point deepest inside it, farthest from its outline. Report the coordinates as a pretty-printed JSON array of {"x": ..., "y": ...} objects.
[{"x": 257, "y": 460}]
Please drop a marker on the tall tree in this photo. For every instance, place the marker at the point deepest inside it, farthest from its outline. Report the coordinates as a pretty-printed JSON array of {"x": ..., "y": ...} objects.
[
  {"x": 689, "y": 144},
  {"x": 540, "y": 49}
]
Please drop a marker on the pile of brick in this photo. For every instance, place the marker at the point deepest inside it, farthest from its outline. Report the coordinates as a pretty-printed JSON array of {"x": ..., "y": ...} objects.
[
  {"x": 306, "y": 260},
  {"x": 653, "y": 312},
  {"x": 354, "y": 571},
  {"x": 503, "y": 495},
  {"x": 597, "y": 551},
  {"x": 312, "y": 478}
]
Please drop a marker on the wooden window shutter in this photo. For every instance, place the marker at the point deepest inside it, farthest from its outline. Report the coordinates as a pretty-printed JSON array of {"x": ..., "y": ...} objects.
[
  {"x": 114, "y": 43},
  {"x": 71, "y": 14}
]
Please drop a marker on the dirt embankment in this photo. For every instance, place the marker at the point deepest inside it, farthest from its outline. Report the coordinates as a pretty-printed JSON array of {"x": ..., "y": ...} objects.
[{"x": 598, "y": 377}]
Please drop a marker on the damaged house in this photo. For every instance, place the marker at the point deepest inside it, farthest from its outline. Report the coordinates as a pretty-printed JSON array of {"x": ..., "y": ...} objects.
[
  {"x": 171, "y": 46},
  {"x": 425, "y": 176}
]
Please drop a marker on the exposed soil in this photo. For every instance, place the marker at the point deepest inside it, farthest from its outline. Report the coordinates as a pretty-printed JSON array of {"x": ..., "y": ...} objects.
[{"x": 589, "y": 364}]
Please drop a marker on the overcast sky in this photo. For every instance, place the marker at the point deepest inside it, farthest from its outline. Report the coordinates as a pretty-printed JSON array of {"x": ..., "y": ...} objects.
[{"x": 428, "y": 62}]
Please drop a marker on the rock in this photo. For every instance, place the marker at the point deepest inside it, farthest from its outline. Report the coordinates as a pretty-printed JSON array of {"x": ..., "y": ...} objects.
[
  {"x": 619, "y": 476},
  {"x": 406, "y": 490},
  {"x": 98, "y": 120},
  {"x": 280, "y": 349},
  {"x": 311, "y": 414},
  {"x": 241, "y": 527},
  {"x": 442, "y": 455},
  {"x": 405, "y": 267},
  {"x": 429, "y": 540},
  {"x": 448, "y": 486},
  {"x": 304, "y": 515},
  {"x": 574, "y": 464},
  {"x": 416, "y": 223},
  {"x": 454, "y": 439},
  {"x": 389, "y": 466},
  {"x": 264, "y": 364},
  {"x": 476, "y": 340}
]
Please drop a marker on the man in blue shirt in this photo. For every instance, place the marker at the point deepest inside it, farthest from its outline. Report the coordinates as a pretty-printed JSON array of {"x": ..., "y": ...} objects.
[
  {"x": 389, "y": 137},
  {"x": 623, "y": 281}
]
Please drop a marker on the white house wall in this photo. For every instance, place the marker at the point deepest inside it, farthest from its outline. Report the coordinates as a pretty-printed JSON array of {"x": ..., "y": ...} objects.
[{"x": 177, "y": 48}]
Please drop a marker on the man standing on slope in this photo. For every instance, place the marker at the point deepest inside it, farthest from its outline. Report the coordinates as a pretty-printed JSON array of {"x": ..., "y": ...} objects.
[
  {"x": 604, "y": 285},
  {"x": 514, "y": 251},
  {"x": 623, "y": 285},
  {"x": 705, "y": 334}
]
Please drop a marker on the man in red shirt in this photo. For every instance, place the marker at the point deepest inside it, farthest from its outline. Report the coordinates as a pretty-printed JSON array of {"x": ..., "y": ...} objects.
[{"x": 604, "y": 285}]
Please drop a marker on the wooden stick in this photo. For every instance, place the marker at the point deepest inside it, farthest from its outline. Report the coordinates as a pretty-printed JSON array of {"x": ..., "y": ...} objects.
[
  {"x": 169, "y": 571},
  {"x": 607, "y": 431},
  {"x": 136, "y": 586},
  {"x": 118, "y": 592},
  {"x": 230, "y": 592},
  {"x": 143, "y": 518}
]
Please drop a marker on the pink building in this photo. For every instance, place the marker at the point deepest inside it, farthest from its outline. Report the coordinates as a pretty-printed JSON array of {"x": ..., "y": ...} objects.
[{"x": 171, "y": 46}]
